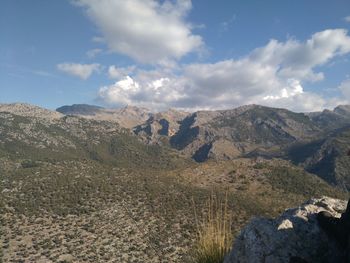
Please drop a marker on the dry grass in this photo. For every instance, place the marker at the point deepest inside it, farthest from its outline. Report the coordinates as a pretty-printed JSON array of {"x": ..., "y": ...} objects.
[{"x": 214, "y": 232}]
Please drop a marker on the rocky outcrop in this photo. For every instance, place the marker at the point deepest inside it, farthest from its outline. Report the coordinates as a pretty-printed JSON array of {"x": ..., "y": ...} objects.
[
  {"x": 160, "y": 125},
  {"x": 28, "y": 110},
  {"x": 295, "y": 236}
]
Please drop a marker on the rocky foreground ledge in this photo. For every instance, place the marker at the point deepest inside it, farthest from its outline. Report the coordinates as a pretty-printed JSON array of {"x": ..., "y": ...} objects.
[{"x": 293, "y": 237}]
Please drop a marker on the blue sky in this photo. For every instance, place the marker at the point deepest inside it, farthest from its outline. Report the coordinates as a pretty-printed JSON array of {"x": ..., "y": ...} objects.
[{"x": 192, "y": 55}]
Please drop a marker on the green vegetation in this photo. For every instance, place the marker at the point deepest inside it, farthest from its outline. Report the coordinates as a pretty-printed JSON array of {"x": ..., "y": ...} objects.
[
  {"x": 92, "y": 191},
  {"x": 29, "y": 164},
  {"x": 297, "y": 181}
]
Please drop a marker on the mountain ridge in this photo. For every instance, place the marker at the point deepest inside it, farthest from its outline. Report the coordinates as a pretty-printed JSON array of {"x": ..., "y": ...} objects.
[{"x": 308, "y": 139}]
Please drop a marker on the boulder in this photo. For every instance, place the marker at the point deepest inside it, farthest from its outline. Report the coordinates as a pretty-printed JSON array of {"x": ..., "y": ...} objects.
[{"x": 295, "y": 236}]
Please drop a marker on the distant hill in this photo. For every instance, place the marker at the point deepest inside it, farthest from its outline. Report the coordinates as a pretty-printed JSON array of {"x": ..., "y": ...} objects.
[{"x": 79, "y": 109}]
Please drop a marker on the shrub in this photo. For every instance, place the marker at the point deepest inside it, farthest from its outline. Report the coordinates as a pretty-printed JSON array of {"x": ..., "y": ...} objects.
[{"x": 29, "y": 164}]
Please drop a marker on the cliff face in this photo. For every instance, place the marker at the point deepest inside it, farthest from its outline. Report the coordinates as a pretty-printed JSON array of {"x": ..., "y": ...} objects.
[{"x": 295, "y": 236}]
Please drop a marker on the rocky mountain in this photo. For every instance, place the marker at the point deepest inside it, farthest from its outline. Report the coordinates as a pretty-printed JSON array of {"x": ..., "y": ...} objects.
[
  {"x": 242, "y": 131},
  {"x": 161, "y": 126},
  {"x": 295, "y": 236},
  {"x": 331, "y": 120},
  {"x": 127, "y": 117},
  {"x": 252, "y": 131},
  {"x": 317, "y": 141}
]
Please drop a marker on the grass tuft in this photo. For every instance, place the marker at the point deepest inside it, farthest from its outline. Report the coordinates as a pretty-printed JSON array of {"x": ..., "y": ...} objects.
[{"x": 214, "y": 232}]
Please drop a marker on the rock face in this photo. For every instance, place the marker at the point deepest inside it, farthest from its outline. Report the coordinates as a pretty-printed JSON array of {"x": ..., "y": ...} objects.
[{"x": 295, "y": 236}]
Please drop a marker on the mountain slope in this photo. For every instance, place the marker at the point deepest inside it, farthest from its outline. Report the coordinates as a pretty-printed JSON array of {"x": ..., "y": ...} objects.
[
  {"x": 326, "y": 157},
  {"x": 127, "y": 117},
  {"x": 28, "y": 110},
  {"x": 245, "y": 129},
  {"x": 75, "y": 137}
]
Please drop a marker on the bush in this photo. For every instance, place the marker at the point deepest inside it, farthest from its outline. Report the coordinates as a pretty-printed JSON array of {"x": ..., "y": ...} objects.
[{"x": 29, "y": 164}]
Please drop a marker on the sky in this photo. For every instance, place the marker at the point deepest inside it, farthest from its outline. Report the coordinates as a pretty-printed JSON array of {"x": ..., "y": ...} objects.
[{"x": 190, "y": 55}]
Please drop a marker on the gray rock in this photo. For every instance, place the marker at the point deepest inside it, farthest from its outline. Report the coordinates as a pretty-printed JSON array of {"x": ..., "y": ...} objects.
[{"x": 295, "y": 235}]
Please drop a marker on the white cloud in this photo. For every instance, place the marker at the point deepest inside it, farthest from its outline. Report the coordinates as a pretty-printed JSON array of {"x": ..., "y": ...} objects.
[
  {"x": 347, "y": 18},
  {"x": 273, "y": 75},
  {"x": 154, "y": 94},
  {"x": 298, "y": 60},
  {"x": 148, "y": 31},
  {"x": 120, "y": 93},
  {"x": 93, "y": 52},
  {"x": 82, "y": 71},
  {"x": 120, "y": 72}
]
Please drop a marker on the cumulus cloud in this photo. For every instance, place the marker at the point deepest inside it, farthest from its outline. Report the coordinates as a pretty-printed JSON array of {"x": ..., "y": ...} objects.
[
  {"x": 154, "y": 94},
  {"x": 82, "y": 71},
  {"x": 120, "y": 72},
  {"x": 347, "y": 18},
  {"x": 272, "y": 75},
  {"x": 148, "y": 31},
  {"x": 298, "y": 60}
]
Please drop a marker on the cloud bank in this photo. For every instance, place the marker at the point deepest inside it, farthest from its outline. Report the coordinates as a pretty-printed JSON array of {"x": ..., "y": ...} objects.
[
  {"x": 271, "y": 75},
  {"x": 148, "y": 31}
]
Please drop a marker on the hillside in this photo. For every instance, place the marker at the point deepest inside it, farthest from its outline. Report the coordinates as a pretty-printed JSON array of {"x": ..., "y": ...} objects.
[
  {"x": 73, "y": 137},
  {"x": 238, "y": 132},
  {"x": 79, "y": 189}
]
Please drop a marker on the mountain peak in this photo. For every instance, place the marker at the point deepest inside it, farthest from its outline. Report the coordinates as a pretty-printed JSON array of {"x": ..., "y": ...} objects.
[{"x": 342, "y": 109}]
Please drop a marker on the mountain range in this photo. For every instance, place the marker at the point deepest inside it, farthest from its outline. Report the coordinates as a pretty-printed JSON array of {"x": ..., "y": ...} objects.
[
  {"x": 89, "y": 184},
  {"x": 317, "y": 141}
]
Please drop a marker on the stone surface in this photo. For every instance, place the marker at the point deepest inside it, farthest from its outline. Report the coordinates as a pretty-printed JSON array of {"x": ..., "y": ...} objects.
[{"x": 295, "y": 235}]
